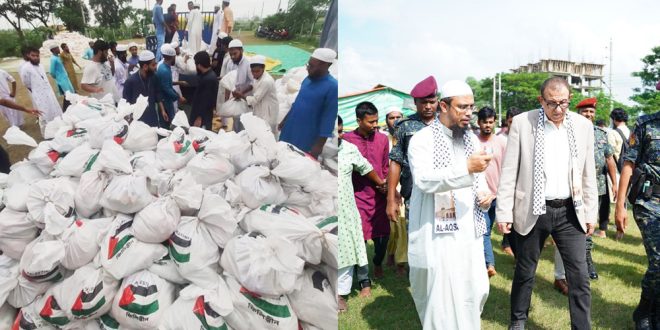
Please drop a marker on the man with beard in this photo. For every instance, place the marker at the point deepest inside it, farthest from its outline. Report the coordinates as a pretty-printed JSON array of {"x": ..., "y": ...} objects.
[
  {"x": 311, "y": 120},
  {"x": 68, "y": 60},
  {"x": 426, "y": 102},
  {"x": 244, "y": 78},
  {"x": 58, "y": 72},
  {"x": 145, "y": 83},
  {"x": 121, "y": 68},
  {"x": 205, "y": 94},
  {"x": 194, "y": 26},
  {"x": 495, "y": 145},
  {"x": 97, "y": 78},
  {"x": 164, "y": 75},
  {"x": 36, "y": 81},
  {"x": 447, "y": 221},
  {"x": 134, "y": 58},
  {"x": 371, "y": 200}
]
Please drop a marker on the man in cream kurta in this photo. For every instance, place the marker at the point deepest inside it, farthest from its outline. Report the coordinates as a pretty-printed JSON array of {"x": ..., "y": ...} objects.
[
  {"x": 448, "y": 282},
  {"x": 195, "y": 27},
  {"x": 263, "y": 100},
  {"x": 36, "y": 81}
]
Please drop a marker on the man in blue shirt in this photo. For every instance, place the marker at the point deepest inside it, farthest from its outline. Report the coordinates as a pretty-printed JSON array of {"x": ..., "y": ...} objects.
[
  {"x": 311, "y": 120},
  {"x": 58, "y": 72},
  {"x": 134, "y": 58},
  {"x": 159, "y": 23},
  {"x": 144, "y": 82},
  {"x": 89, "y": 52},
  {"x": 168, "y": 93}
]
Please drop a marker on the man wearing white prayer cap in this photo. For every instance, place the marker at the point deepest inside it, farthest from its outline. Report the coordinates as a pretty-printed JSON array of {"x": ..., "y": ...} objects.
[
  {"x": 446, "y": 214},
  {"x": 195, "y": 25},
  {"x": 121, "y": 67},
  {"x": 145, "y": 83},
  {"x": 170, "y": 97},
  {"x": 58, "y": 72},
  {"x": 263, "y": 100},
  {"x": 244, "y": 80},
  {"x": 311, "y": 120}
]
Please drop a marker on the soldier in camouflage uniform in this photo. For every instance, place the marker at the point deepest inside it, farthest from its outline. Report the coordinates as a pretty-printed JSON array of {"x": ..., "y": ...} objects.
[
  {"x": 426, "y": 101},
  {"x": 644, "y": 153}
]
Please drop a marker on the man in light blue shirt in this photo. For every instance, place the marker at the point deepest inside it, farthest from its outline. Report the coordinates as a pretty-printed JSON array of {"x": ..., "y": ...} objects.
[
  {"x": 58, "y": 72},
  {"x": 159, "y": 23},
  {"x": 89, "y": 52},
  {"x": 311, "y": 120}
]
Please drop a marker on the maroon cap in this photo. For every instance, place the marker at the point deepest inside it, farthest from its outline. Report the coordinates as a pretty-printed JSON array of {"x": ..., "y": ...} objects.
[
  {"x": 590, "y": 102},
  {"x": 425, "y": 88}
]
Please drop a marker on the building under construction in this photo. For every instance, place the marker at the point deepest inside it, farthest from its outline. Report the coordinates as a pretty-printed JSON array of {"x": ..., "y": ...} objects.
[{"x": 584, "y": 77}]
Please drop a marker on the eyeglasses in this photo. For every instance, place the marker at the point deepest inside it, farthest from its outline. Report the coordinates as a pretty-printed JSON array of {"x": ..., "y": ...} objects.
[
  {"x": 553, "y": 105},
  {"x": 465, "y": 107}
]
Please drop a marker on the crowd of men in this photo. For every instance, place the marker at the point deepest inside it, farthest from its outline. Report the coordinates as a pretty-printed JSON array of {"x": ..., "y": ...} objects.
[
  {"x": 548, "y": 172},
  {"x": 122, "y": 71}
]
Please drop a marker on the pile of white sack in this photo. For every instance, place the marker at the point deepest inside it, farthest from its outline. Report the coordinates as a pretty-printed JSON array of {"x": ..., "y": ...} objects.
[{"x": 112, "y": 224}]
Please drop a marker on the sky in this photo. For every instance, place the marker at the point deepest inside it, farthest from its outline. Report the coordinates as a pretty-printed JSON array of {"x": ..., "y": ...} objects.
[{"x": 398, "y": 43}]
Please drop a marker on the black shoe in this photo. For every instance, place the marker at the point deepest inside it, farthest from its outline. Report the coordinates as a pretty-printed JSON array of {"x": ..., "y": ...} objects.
[
  {"x": 642, "y": 314},
  {"x": 643, "y": 324},
  {"x": 517, "y": 325},
  {"x": 593, "y": 275},
  {"x": 591, "y": 269}
]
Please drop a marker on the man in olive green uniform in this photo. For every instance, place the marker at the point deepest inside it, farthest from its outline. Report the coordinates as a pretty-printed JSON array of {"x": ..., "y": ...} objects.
[{"x": 644, "y": 154}]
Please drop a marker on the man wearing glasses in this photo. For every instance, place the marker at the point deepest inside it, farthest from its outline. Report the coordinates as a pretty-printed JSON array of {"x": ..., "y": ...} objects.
[
  {"x": 548, "y": 187},
  {"x": 447, "y": 221}
]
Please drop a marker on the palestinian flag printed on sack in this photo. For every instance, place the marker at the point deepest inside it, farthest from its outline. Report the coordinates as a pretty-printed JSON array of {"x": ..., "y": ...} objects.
[
  {"x": 121, "y": 133},
  {"x": 52, "y": 313},
  {"x": 76, "y": 133},
  {"x": 181, "y": 146},
  {"x": 274, "y": 308},
  {"x": 53, "y": 275},
  {"x": 120, "y": 238},
  {"x": 205, "y": 313},
  {"x": 329, "y": 225},
  {"x": 90, "y": 162},
  {"x": 279, "y": 209},
  {"x": 88, "y": 303},
  {"x": 28, "y": 319},
  {"x": 107, "y": 322},
  {"x": 179, "y": 245},
  {"x": 140, "y": 299}
]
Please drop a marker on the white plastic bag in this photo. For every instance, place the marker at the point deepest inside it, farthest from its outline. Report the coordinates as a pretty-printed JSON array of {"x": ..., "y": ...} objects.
[
  {"x": 41, "y": 259},
  {"x": 16, "y": 232},
  {"x": 58, "y": 191},
  {"x": 208, "y": 169},
  {"x": 315, "y": 301},
  {"x": 76, "y": 162},
  {"x": 7, "y": 316},
  {"x": 252, "y": 311},
  {"x": 14, "y": 135},
  {"x": 259, "y": 187},
  {"x": 140, "y": 137},
  {"x": 280, "y": 221},
  {"x": 127, "y": 194},
  {"x": 157, "y": 221},
  {"x": 187, "y": 193},
  {"x": 113, "y": 158},
  {"x": 264, "y": 265},
  {"x": 81, "y": 243},
  {"x": 8, "y": 276},
  {"x": 168, "y": 270},
  {"x": 295, "y": 168},
  {"x": 218, "y": 217},
  {"x": 199, "y": 308},
  {"x": 175, "y": 151},
  {"x": 142, "y": 300},
  {"x": 44, "y": 156},
  {"x": 26, "y": 291},
  {"x": 233, "y": 107},
  {"x": 28, "y": 319},
  {"x": 193, "y": 250},
  {"x": 24, "y": 172},
  {"x": 15, "y": 197},
  {"x": 122, "y": 254}
]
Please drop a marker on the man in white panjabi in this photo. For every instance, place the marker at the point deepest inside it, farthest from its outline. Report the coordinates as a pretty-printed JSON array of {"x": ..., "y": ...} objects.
[
  {"x": 445, "y": 247},
  {"x": 194, "y": 27},
  {"x": 263, "y": 100},
  {"x": 217, "y": 24},
  {"x": 36, "y": 81},
  {"x": 15, "y": 118}
]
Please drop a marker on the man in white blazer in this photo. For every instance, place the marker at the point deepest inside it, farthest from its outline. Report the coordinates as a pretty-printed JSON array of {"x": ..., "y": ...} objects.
[{"x": 548, "y": 187}]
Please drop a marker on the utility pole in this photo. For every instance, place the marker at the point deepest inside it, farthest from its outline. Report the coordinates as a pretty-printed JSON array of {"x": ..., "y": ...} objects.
[
  {"x": 495, "y": 91},
  {"x": 499, "y": 101},
  {"x": 262, "y": 10},
  {"x": 611, "y": 99}
]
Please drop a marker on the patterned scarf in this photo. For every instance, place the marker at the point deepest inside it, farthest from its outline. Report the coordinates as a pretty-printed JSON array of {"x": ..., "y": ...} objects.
[
  {"x": 442, "y": 159},
  {"x": 538, "y": 205}
]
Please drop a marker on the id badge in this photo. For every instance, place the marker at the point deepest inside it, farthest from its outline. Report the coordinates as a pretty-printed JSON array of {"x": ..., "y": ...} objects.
[{"x": 444, "y": 214}]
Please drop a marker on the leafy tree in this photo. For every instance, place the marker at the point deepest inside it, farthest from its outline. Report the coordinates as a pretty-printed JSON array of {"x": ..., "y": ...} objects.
[
  {"x": 71, "y": 13},
  {"x": 647, "y": 97},
  {"x": 110, "y": 13},
  {"x": 41, "y": 10},
  {"x": 15, "y": 11},
  {"x": 301, "y": 15}
]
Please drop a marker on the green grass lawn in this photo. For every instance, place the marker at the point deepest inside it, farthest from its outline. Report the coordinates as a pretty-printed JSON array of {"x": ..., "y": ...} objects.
[{"x": 620, "y": 264}]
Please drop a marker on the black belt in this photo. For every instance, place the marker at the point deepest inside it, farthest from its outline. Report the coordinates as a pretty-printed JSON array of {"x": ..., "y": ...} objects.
[{"x": 557, "y": 203}]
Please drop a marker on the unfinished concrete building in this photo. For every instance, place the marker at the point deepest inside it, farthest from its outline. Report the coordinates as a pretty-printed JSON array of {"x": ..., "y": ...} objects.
[{"x": 584, "y": 77}]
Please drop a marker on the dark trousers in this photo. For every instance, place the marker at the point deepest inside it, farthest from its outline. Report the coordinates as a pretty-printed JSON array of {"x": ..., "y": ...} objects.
[
  {"x": 563, "y": 225},
  {"x": 603, "y": 211},
  {"x": 380, "y": 248}
]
